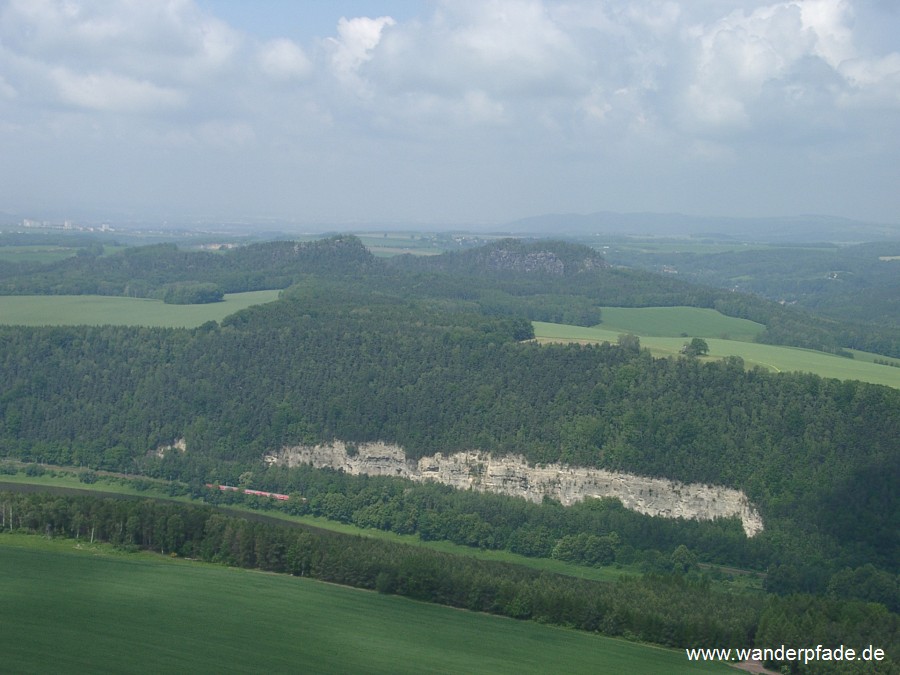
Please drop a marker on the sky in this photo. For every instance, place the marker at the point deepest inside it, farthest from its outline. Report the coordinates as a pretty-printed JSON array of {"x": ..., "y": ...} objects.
[{"x": 462, "y": 112}]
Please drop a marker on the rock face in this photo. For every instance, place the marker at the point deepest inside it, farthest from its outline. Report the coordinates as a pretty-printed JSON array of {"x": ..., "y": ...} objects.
[
  {"x": 515, "y": 259},
  {"x": 511, "y": 475}
]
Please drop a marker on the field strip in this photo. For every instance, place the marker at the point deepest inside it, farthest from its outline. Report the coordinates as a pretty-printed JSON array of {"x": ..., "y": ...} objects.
[
  {"x": 98, "y": 310},
  {"x": 778, "y": 358}
]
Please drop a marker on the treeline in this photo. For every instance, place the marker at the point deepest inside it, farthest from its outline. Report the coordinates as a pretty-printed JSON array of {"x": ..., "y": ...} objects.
[
  {"x": 595, "y": 532},
  {"x": 150, "y": 271},
  {"x": 670, "y": 610},
  {"x": 192, "y": 294}
]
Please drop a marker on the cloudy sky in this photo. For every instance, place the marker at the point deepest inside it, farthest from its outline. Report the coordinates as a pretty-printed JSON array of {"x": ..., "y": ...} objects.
[{"x": 453, "y": 112}]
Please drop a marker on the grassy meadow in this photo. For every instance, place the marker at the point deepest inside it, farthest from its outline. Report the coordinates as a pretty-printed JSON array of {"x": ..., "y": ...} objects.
[
  {"x": 38, "y": 254},
  {"x": 673, "y": 321},
  {"x": 79, "y": 608},
  {"x": 46, "y": 253},
  {"x": 662, "y": 330},
  {"x": 98, "y": 310}
]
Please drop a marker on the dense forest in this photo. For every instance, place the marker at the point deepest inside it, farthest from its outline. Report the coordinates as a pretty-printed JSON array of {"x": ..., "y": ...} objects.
[{"x": 435, "y": 355}]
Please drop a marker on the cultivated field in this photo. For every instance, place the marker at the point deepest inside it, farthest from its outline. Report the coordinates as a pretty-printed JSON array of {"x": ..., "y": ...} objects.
[
  {"x": 47, "y": 253},
  {"x": 673, "y": 321},
  {"x": 38, "y": 254},
  {"x": 651, "y": 329},
  {"x": 98, "y": 310},
  {"x": 77, "y": 608}
]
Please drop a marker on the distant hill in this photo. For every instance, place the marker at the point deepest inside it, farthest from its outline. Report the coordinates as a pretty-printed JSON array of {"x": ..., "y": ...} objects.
[
  {"x": 146, "y": 271},
  {"x": 507, "y": 257},
  {"x": 805, "y": 228}
]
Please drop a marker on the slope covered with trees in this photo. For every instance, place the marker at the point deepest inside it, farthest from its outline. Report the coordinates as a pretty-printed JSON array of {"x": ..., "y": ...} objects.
[
  {"x": 150, "y": 271},
  {"x": 337, "y": 361}
]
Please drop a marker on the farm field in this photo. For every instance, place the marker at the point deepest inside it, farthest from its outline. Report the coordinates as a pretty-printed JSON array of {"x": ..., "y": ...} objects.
[
  {"x": 38, "y": 254},
  {"x": 47, "y": 253},
  {"x": 98, "y": 310},
  {"x": 770, "y": 357},
  {"x": 387, "y": 244},
  {"x": 673, "y": 321},
  {"x": 73, "y": 607},
  {"x": 664, "y": 244}
]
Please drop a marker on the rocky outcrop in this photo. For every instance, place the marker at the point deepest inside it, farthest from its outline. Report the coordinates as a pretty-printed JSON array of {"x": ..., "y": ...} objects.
[
  {"x": 180, "y": 445},
  {"x": 511, "y": 475}
]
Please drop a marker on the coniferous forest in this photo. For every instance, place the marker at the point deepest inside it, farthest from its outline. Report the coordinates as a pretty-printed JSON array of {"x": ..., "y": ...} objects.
[{"x": 435, "y": 355}]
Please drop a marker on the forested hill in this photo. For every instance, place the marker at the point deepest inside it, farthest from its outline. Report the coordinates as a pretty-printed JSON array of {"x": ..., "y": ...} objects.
[
  {"x": 335, "y": 361},
  {"x": 513, "y": 257},
  {"x": 568, "y": 283},
  {"x": 146, "y": 271},
  {"x": 541, "y": 280}
]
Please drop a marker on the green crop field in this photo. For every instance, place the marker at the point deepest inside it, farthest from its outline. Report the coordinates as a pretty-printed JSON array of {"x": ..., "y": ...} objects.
[
  {"x": 673, "y": 321},
  {"x": 73, "y": 607},
  {"x": 38, "y": 254},
  {"x": 770, "y": 357},
  {"x": 698, "y": 245},
  {"x": 98, "y": 310}
]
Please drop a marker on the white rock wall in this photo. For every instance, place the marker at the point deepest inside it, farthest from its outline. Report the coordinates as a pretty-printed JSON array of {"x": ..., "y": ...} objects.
[{"x": 511, "y": 475}]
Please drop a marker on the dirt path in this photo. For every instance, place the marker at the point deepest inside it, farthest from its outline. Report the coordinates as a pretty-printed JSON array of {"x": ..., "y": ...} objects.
[{"x": 753, "y": 667}]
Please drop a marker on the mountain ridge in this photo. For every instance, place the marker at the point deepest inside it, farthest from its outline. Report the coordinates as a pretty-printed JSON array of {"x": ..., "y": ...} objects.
[{"x": 801, "y": 228}]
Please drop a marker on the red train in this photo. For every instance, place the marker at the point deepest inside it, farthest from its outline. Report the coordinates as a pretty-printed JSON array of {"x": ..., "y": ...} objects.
[{"x": 258, "y": 493}]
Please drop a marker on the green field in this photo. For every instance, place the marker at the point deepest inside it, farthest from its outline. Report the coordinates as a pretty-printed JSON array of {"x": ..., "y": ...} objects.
[
  {"x": 673, "y": 321},
  {"x": 73, "y": 608},
  {"x": 38, "y": 254},
  {"x": 771, "y": 357},
  {"x": 98, "y": 310},
  {"x": 698, "y": 245},
  {"x": 388, "y": 244},
  {"x": 48, "y": 253}
]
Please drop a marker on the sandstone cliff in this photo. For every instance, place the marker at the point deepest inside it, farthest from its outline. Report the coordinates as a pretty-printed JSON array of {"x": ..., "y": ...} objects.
[{"x": 511, "y": 475}]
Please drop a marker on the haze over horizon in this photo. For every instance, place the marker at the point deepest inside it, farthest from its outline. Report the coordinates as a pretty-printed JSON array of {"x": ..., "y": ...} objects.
[{"x": 479, "y": 112}]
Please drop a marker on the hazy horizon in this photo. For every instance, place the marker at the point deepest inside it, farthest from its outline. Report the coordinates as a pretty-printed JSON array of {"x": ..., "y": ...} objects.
[{"x": 464, "y": 113}]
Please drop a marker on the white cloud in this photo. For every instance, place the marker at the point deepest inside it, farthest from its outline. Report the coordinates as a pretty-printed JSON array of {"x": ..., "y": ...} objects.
[
  {"x": 502, "y": 47},
  {"x": 170, "y": 39},
  {"x": 353, "y": 47},
  {"x": 512, "y": 46},
  {"x": 284, "y": 59},
  {"x": 735, "y": 57},
  {"x": 748, "y": 69},
  {"x": 113, "y": 93},
  {"x": 829, "y": 21}
]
